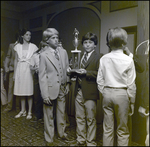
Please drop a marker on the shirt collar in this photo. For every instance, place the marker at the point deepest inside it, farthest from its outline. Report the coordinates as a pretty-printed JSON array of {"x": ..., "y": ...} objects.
[
  {"x": 53, "y": 50},
  {"x": 89, "y": 54},
  {"x": 117, "y": 51}
]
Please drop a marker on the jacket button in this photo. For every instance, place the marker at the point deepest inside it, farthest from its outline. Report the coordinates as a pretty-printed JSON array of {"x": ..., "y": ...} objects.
[
  {"x": 57, "y": 74},
  {"x": 57, "y": 81}
]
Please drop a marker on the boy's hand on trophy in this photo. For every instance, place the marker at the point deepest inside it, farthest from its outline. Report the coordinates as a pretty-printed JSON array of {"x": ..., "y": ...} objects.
[
  {"x": 81, "y": 71},
  {"x": 68, "y": 69}
]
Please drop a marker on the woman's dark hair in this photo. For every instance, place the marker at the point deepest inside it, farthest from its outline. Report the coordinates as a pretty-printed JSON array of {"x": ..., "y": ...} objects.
[
  {"x": 22, "y": 32},
  {"x": 90, "y": 36}
]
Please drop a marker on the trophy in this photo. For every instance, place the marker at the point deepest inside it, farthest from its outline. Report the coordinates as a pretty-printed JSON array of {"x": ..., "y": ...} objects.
[{"x": 76, "y": 52}]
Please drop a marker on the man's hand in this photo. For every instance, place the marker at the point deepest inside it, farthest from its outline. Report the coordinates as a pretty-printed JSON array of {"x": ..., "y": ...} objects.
[
  {"x": 68, "y": 69},
  {"x": 33, "y": 67},
  {"x": 81, "y": 71},
  {"x": 67, "y": 88},
  {"x": 131, "y": 109},
  {"x": 126, "y": 51},
  {"x": 47, "y": 101},
  {"x": 7, "y": 70},
  {"x": 142, "y": 111}
]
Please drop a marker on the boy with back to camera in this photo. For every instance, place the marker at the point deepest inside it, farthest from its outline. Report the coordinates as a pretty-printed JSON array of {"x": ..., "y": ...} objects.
[{"x": 116, "y": 81}]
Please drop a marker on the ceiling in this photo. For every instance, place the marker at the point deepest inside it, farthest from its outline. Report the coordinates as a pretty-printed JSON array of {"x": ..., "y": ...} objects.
[{"x": 27, "y": 5}]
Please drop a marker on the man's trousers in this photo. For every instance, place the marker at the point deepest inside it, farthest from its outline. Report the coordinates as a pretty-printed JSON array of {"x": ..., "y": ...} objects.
[
  {"x": 60, "y": 118},
  {"x": 10, "y": 91},
  {"x": 86, "y": 120},
  {"x": 3, "y": 91},
  {"x": 115, "y": 106}
]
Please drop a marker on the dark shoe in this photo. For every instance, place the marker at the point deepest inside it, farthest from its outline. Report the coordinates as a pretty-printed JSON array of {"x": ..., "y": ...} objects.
[
  {"x": 49, "y": 144},
  {"x": 67, "y": 138},
  {"x": 78, "y": 144},
  {"x": 3, "y": 107},
  {"x": 38, "y": 120},
  {"x": 35, "y": 119},
  {"x": 41, "y": 120},
  {"x": 6, "y": 110}
]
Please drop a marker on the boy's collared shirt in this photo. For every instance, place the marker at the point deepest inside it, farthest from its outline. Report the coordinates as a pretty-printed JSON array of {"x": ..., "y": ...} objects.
[
  {"x": 117, "y": 70},
  {"x": 53, "y": 51},
  {"x": 88, "y": 55}
]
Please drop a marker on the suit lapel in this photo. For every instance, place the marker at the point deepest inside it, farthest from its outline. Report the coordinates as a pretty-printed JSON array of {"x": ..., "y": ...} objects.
[
  {"x": 51, "y": 58},
  {"x": 61, "y": 55}
]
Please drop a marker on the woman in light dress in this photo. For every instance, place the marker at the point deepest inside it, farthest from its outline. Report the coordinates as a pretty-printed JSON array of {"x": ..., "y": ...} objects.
[{"x": 23, "y": 79}]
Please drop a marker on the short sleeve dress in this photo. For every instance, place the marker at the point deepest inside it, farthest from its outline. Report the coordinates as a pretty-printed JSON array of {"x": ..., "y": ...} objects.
[{"x": 23, "y": 84}]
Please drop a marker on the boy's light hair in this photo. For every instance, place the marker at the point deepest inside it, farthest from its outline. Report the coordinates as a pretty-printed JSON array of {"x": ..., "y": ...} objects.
[
  {"x": 48, "y": 33},
  {"x": 116, "y": 38}
]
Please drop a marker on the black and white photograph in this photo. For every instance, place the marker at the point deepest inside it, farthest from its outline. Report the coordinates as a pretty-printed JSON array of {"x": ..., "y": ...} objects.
[{"x": 74, "y": 73}]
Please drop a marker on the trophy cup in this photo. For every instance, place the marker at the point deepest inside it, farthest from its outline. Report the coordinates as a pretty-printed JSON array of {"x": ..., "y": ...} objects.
[{"x": 76, "y": 52}]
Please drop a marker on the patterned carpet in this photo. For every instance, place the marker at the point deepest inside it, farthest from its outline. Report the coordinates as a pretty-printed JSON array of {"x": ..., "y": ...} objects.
[{"x": 23, "y": 132}]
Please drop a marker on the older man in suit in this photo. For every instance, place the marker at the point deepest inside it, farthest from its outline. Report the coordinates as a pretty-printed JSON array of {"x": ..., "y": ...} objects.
[
  {"x": 9, "y": 69},
  {"x": 54, "y": 86}
]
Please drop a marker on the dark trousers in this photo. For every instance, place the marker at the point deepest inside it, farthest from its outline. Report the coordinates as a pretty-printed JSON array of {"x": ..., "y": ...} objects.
[{"x": 38, "y": 101}]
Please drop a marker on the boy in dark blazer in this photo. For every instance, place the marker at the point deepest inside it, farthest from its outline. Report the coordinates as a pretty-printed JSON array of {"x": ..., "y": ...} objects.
[{"x": 86, "y": 92}]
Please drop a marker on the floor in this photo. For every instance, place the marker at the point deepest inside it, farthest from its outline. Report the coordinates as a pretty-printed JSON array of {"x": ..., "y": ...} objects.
[{"x": 23, "y": 132}]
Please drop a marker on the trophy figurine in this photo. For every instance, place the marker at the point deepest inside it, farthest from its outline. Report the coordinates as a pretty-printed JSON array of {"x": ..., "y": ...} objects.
[{"x": 76, "y": 52}]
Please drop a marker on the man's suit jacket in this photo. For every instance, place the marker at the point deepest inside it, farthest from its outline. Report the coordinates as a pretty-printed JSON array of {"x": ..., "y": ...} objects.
[
  {"x": 49, "y": 73},
  {"x": 139, "y": 66},
  {"x": 9, "y": 60},
  {"x": 88, "y": 82}
]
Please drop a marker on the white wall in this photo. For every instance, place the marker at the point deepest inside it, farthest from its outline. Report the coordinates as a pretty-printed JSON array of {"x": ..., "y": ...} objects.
[{"x": 121, "y": 18}]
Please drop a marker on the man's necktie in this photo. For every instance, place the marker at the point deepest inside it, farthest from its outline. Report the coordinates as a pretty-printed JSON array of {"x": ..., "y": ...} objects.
[
  {"x": 56, "y": 54},
  {"x": 84, "y": 60}
]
